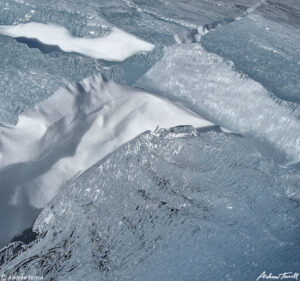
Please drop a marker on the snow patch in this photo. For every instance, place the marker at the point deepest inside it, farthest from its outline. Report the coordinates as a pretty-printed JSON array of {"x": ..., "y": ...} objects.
[{"x": 116, "y": 46}]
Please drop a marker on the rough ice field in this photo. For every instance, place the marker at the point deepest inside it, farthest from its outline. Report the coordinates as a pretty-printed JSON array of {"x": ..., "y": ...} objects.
[
  {"x": 177, "y": 204},
  {"x": 113, "y": 202},
  {"x": 265, "y": 50}
]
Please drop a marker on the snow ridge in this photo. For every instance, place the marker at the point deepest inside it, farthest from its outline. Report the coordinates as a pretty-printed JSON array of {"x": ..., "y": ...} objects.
[{"x": 63, "y": 136}]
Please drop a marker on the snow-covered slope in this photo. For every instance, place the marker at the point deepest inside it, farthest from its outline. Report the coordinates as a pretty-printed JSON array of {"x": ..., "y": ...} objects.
[
  {"x": 116, "y": 46},
  {"x": 68, "y": 133}
]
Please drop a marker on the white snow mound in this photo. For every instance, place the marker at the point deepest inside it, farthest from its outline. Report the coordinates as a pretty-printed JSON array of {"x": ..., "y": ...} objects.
[{"x": 116, "y": 46}]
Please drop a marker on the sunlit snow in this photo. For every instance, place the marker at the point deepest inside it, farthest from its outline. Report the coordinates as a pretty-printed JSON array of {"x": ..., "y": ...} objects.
[{"x": 116, "y": 46}]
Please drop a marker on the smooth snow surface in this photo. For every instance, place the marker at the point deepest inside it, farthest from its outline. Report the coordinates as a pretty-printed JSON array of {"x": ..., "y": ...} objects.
[
  {"x": 66, "y": 134},
  {"x": 116, "y": 46}
]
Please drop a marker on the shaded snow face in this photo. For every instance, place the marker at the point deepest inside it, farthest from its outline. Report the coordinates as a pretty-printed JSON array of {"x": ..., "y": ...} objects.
[
  {"x": 68, "y": 133},
  {"x": 177, "y": 204}
]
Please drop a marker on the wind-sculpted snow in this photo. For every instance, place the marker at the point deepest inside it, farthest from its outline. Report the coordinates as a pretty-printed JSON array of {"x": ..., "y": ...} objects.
[
  {"x": 210, "y": 86},
  {"x": 68, "y": 133},
  {"x": 176, "y": 204},
  {"x": 117, "y": 46}
]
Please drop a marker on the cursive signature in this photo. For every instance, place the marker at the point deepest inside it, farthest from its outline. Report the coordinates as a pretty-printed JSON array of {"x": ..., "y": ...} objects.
[{"x": 280, "y": 276}]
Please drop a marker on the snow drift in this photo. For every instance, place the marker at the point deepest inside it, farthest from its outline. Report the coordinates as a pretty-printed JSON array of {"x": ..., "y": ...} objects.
[{"x": 66, "y": 134}]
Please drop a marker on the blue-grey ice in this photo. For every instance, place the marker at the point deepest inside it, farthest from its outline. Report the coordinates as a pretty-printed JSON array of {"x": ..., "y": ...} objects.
[{"x": 150, "y": 140}]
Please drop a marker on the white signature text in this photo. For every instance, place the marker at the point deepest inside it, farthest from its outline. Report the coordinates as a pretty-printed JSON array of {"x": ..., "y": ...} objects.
[{"x": 280, "y": 276}]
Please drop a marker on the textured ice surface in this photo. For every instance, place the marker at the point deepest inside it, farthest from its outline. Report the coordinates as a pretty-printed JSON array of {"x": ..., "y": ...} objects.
[
  {"x": 68, "y": 133},
  {"x": 155, "y": 20},
  {"x": 267, "y": 51},
  {"x": 176, "y": 204},
  {"x": 116, "y": 46},
  {"x": 170, "y": 205},
  {"x": 28, "y": 76},
  {"x": 287, "y": 11},
  {"x": 209, "y": 85}
]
